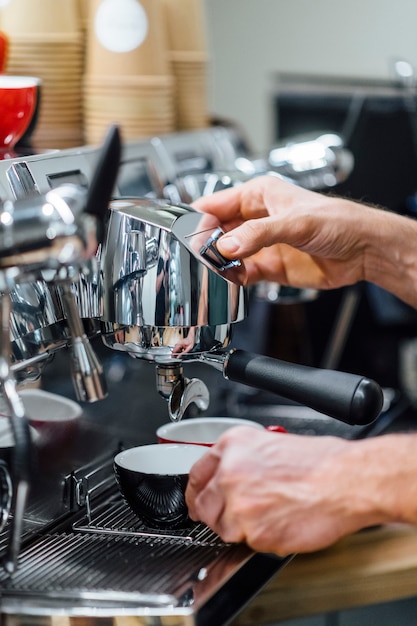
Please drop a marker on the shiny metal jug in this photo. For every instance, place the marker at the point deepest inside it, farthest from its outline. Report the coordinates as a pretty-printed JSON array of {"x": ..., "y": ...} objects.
[{"x": 161, "y": 297}]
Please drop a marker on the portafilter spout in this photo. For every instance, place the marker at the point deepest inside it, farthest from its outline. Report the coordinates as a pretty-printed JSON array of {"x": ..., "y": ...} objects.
[{"x": 179, "y": 391}]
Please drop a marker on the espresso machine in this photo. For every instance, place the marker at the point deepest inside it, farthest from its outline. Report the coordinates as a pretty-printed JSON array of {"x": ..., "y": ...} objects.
[{"x": 99, "y": 245}]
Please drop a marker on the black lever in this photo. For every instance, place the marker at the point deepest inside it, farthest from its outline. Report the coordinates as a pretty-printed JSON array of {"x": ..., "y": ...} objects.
[{"x": 104, "y": 179}]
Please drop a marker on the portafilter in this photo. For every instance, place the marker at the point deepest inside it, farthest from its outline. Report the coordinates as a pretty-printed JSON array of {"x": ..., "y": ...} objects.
[{"x": 169, "y": 297}]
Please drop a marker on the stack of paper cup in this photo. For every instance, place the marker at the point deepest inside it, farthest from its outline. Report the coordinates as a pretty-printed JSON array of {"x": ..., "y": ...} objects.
[
  {"x": 46, "y": 41},
  {"x": 83, "y": 13},
  {"x": 185, "y": 27},
  {"x": 127, "y": 79}
]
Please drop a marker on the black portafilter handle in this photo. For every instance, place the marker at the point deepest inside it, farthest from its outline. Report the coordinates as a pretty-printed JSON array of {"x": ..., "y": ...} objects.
[{"x": 350, "y": 398}]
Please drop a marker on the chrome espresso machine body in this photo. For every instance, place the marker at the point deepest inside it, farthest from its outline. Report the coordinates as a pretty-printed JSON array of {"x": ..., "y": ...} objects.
[
  {"x": 156, "y": 289},
  {"x": 81, "y": 555}
]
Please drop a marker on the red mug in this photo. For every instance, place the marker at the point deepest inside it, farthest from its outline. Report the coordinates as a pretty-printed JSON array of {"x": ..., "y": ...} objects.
[
  {"x": 4, "y": 50},
  {"x": 18, "y": 98},
  {"x": 205, "y": 431}
]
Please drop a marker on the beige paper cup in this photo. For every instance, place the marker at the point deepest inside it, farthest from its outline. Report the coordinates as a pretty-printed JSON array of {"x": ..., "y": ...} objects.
[
  {"x": 40, "y": 16},
  {"x": 185, "y": 25},
  {"x": 125, "y": 37},
  {"x": 83, "y": 13},
  {"x": 110, "y": 82},
  {"x": 133, "y": 106}
]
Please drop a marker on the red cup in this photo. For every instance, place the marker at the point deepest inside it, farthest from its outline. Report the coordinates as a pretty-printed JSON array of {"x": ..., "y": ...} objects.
[
  {"x": 54, "y": 417},
  {"x": 204, "y": 431},
  {"x": 18, "y": 98},
  {"x": 4, "y": 51}
]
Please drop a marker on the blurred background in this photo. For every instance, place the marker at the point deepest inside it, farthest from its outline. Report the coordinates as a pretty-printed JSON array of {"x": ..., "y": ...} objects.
[{"x": 250, "y": 43}]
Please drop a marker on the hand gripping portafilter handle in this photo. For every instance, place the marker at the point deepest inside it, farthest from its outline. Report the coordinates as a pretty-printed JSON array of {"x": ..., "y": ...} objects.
[{"x": 352, "y": 399}]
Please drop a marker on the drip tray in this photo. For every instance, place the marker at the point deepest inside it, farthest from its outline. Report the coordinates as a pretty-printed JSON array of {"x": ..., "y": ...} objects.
[{"x": 108, "y": 564}]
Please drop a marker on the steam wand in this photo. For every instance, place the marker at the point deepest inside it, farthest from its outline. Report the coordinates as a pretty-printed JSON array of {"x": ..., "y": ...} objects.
[
  {"x": 22, "y": 459},
  {"x": 87, "y": 371}
]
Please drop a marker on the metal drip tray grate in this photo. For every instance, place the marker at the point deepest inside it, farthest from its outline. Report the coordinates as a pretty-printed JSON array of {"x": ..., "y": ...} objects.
[
  {"x": 115, "y": 518},
  {"x": 108, "y": 562},
  {"x": 68, "y": 564}
]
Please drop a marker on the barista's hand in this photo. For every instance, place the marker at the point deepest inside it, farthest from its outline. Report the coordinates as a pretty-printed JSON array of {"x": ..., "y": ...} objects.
[
  {"x": 301, "y": 238},
  {"x": 287, "y": 234},
  {"x": 291, "y": 493}
]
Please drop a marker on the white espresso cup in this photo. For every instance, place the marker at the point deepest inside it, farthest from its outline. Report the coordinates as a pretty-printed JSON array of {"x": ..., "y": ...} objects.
[{"x": 204, "y": 431}]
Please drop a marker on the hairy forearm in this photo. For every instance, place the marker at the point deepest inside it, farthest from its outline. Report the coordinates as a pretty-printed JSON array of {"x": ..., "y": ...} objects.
[
  {"x": 384, "y": 479},
  {"x": 391, "y": 255}
]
